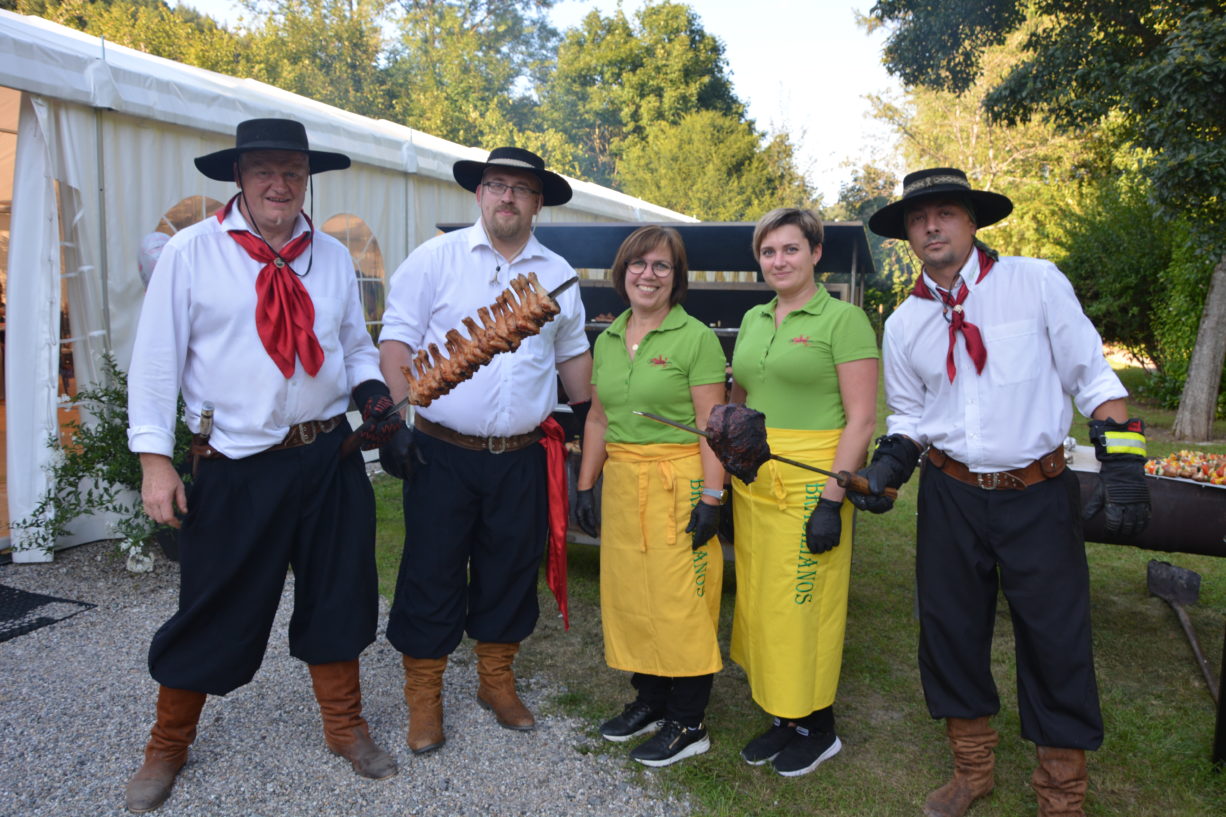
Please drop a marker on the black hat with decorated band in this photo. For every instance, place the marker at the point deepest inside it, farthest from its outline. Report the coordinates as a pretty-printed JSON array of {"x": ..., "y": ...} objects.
[
  {"x": 267, "y": 134},
  {"x": 555, "y": 189},
  {"x": 948, "y": 182}
]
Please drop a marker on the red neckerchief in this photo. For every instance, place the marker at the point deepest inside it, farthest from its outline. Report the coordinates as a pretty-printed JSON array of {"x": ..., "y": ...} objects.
[
  {"x": 957, "y": 319},
  {"x": 559, "y": 514},
  {"x": 284, "y": 313}
]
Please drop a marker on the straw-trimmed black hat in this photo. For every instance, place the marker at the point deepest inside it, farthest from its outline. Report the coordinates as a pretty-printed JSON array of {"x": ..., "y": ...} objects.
[
  {"x": 267, "y": 134},
  {"x": 938, "y": 181},
  {"x": 555, "y": 189}
]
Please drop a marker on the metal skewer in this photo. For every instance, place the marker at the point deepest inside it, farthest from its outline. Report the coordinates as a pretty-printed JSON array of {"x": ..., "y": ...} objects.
[{"x": 846, "y": 479}]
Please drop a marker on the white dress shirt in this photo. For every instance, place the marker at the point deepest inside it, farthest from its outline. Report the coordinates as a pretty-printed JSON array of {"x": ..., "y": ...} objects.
[
  {"x": 447, "y": 279},
  {"x": 1042, "y": 350},
  {"x": 197, "y": 334}
]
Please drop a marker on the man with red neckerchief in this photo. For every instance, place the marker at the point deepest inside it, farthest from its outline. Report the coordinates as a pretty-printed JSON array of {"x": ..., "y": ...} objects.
[
  {"x": 254, "y": 312},
  {"x": 983, "y": 364}
]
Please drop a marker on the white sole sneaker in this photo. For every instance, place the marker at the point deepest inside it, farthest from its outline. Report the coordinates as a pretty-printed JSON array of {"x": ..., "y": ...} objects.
[
  {"x": 834, "y": 749},
  {"x": 698, "y": 747},
  {"x": 646, "y": 730}
]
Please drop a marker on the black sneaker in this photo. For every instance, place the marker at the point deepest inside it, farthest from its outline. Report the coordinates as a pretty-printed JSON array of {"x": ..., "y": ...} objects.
[
  {"x": 636, "y": 719},
  {"x": 765, "y": 746},
  {"x": 672, "y": 743},
  {"x": 806, "y": 752}
]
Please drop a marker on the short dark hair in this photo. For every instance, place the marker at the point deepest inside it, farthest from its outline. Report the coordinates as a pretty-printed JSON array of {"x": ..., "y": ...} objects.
[
  {"x": 644, "y": 240},
  {"x": 808, "y": 222}
]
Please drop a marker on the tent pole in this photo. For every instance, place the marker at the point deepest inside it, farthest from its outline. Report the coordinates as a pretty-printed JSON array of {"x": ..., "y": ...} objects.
[{"x": 103, "y": 267}]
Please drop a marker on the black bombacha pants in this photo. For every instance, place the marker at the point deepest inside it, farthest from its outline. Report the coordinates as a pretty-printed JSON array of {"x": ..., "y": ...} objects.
[
  {"x": 972, "y": 541},
  {"x": 249, "y": 521},
  {"x": 475, "y": 529}
]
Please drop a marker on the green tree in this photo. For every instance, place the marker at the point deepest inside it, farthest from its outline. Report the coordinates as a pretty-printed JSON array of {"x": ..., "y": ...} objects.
[
  {"x": 1155, "y": 65},
  {"x": 712, "y": 166},
  {"x": 327, "y": 50},
  {"x": 616, "y": 79}
]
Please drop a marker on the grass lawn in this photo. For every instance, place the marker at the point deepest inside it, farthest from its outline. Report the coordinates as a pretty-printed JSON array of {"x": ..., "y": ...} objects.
[{"x": 1159, "y": 714}]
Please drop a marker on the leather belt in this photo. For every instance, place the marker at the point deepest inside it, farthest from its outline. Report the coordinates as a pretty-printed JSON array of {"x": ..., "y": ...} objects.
[
  {"x": 494, "y": 445},
  {"x": 300, "y": 434},
  {"x": 1045, "y": 467}
]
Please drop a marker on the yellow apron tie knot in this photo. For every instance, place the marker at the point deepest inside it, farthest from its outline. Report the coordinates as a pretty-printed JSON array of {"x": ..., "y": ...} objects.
[{"x": 667, "y": 475}]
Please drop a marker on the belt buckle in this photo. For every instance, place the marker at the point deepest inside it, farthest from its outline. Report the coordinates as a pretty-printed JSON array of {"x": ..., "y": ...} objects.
[
  {"x": 988, "y": 482},
  {"x": 307, "y": 432},
  {"x": 496, "y": 445}
]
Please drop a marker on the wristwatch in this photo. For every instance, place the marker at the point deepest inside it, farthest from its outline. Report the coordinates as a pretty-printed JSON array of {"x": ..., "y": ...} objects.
[{"x": 718, "y": 496}]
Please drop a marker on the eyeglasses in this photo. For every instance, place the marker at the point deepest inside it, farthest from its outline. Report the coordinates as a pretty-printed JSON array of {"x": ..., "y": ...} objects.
[
  {"x": 658, "y": 268},
  {"x": 517, "y": 190}
]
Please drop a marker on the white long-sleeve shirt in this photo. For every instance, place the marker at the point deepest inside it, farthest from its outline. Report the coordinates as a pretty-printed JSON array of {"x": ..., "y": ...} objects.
[
  {"x": 447, "y": 279},
  {"x": 197, "y": 333},
  {"x": 1042, "y": 351}
]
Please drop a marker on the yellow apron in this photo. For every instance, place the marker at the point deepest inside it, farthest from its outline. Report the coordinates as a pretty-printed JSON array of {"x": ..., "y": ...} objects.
[
  {"x": 659, "y": 600},
  {"x": 791, "y": 605}
]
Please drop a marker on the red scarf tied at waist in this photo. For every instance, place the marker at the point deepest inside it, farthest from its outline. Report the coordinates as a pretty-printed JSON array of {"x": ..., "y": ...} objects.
[
  {"x": 559, "y": 514},
  {"x": 284, "y": 313},
  {"x": 957, "y": 318}
]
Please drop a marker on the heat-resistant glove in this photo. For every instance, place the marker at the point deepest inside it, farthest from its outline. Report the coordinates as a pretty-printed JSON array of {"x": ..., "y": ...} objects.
[
  {"x": 824, "y": 527},
  {"x": 585, "y": 512},
  {"x": 396, "y": 456},
  {"x": 379, "y": 422},
  {"x": 727, "y": 530},
  {"x": 1122, "y": 493},
  {"x": 893, "y": 462},
  {"x": 704, "y": 523}
]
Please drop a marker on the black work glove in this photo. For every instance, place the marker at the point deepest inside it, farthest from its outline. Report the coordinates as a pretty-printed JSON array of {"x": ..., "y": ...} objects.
[
  {"x": 375, "y": 402},
  {"x": 704, "y": 523},
  {"x": 727, "y": 530},
  {"x": 397, "y": 454},
  {"x": 824, "y": 527},
  {"x": 1122, "y": 493},
  {"x": 585, "y": 512},
  {"x": 893, "y": 462}
]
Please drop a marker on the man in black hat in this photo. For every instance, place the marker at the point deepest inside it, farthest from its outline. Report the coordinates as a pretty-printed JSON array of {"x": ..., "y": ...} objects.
[
  {"x": 982, "y": 365},
  {"x": 476, "y": 493},
  {"x": 257, "y": 320}
]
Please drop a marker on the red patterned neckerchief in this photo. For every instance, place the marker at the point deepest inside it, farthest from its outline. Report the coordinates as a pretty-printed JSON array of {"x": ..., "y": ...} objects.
[
  {"x": 956, "y": 316},
  {"x": 284, "y": 313}
]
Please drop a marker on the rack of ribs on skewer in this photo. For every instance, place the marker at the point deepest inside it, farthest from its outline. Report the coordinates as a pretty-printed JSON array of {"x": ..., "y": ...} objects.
[{"x": 517, "y": 313}]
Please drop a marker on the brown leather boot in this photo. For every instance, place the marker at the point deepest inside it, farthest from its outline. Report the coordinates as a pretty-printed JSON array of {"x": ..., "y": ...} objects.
[
  {"x": 178, "y": 711},
  {"x": 423, "y": 693},
  {"x": 339, "y": 692},
  {"x": 972, "y": 741},
  {"x": 1060, "y": 782},
  {"x": 497, "y": 688}
]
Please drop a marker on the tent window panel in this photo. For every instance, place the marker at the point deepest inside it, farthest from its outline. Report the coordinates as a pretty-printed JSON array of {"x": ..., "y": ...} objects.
[
  {"x": 186, "y": 213},
  {"x": 363, "y": 247}
]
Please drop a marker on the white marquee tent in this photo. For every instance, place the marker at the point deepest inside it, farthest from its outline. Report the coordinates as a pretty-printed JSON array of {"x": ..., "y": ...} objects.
[{"x": 96, "y": 143}]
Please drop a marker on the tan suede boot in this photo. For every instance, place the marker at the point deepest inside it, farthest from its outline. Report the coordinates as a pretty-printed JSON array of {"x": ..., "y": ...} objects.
[
  {"x": 1060, "y": 782},
  {"x": 423, "y": 693},
  {"x": 497, "y": 688},
  {"x": 339, "y": 692},
  {"x": 972, "y": 741},
  {"x": 178, "y": 711}
]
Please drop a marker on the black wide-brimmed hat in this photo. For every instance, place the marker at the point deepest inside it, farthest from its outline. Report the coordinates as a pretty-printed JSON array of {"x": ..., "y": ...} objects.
[
  {"x": 267, "y": 134},
  {"x": 938, "y": 181},
  {"x": 555, "y": 189}
]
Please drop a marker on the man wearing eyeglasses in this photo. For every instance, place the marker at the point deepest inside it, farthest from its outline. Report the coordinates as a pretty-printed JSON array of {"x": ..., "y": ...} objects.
[{"x": 475, "y": 485}]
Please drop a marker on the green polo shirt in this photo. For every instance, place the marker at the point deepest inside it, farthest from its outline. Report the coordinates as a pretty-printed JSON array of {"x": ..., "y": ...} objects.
[
  {"x": 681, "y": 353},
  {"x": 788, "y": 373}
]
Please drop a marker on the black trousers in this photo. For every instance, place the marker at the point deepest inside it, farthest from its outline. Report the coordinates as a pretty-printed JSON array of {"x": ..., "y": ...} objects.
[
  {"x": 971, "y": 542},
  {"x": 475, "y": 531},
  {"x": 249, "y": 521},
  {"x": 683, "y": 699}
]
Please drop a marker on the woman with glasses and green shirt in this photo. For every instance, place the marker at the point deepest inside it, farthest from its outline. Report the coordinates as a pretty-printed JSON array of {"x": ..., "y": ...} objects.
[
  {"x": 808, "y": 361},
  {"x": 661, "y": 569}
]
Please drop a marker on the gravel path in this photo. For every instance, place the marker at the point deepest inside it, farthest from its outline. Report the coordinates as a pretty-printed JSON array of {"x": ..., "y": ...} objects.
[{"x": 76, "y": 703}]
